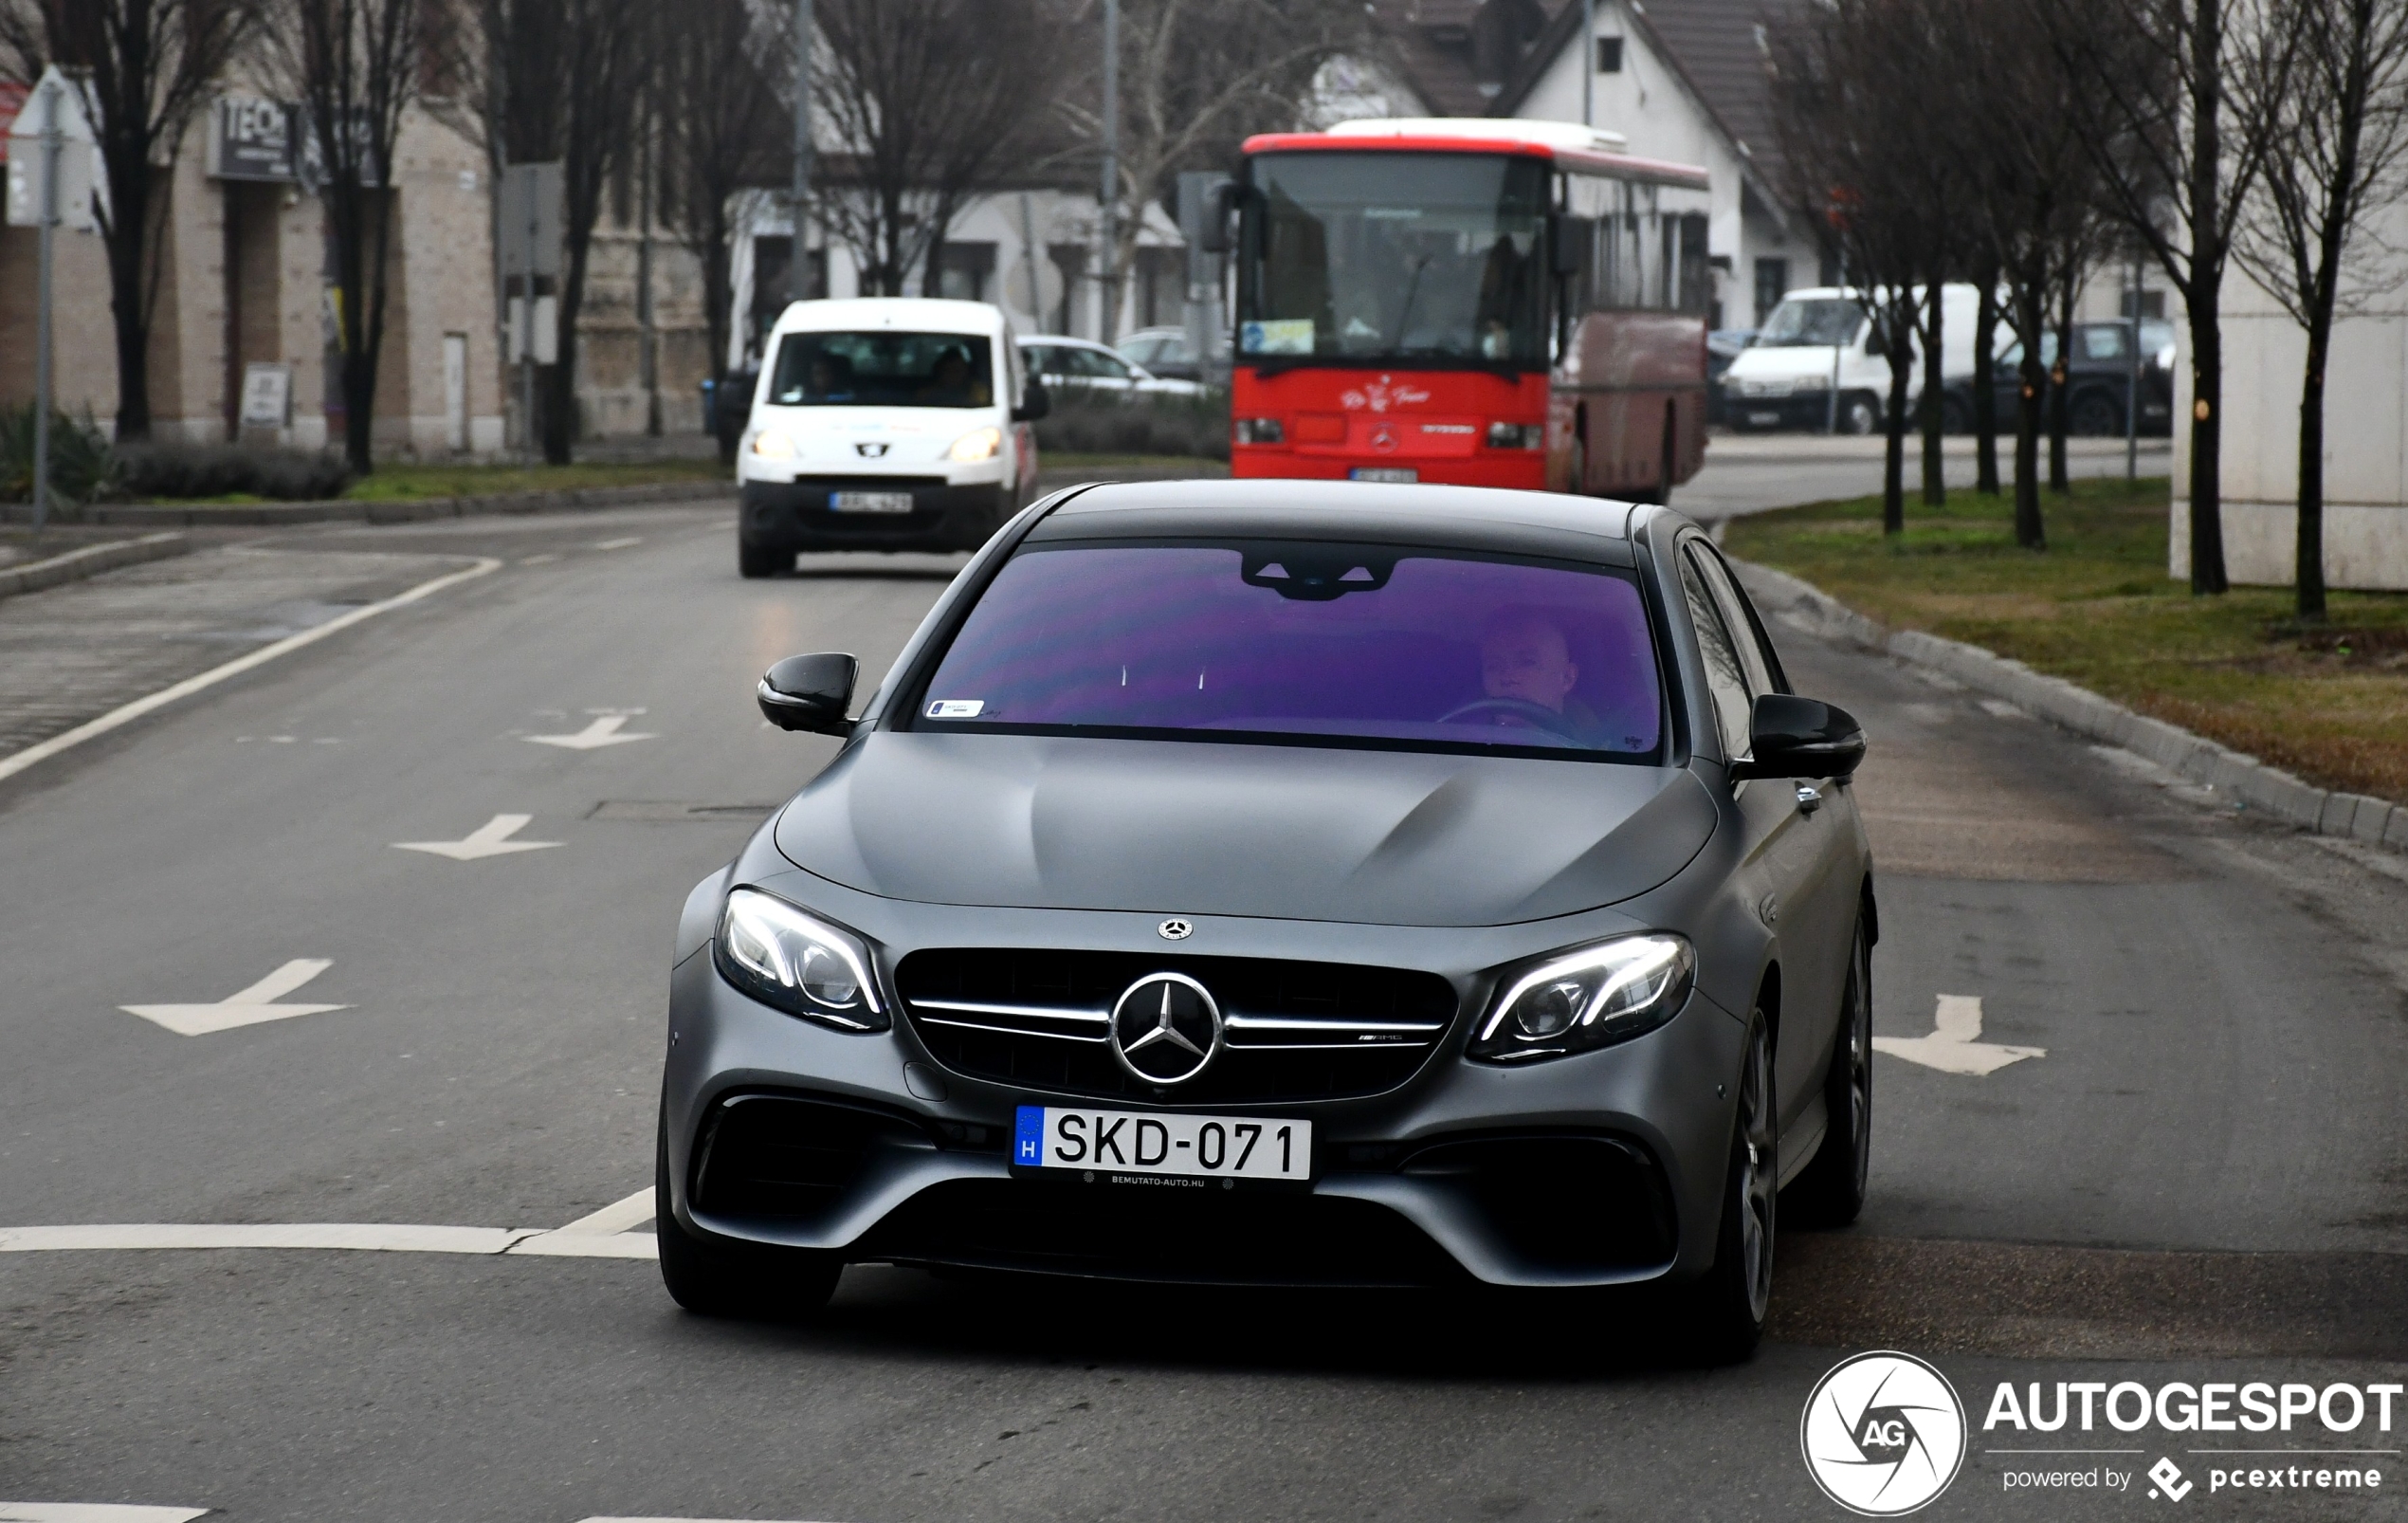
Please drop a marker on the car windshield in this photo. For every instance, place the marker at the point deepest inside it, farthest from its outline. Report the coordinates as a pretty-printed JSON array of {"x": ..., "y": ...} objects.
[
  {"x": 884, "y": 368},
  {"x": 1799, "y": 321},
  {"x": 1367, "y": 258},
  {"x": 1283, "y": 640}
]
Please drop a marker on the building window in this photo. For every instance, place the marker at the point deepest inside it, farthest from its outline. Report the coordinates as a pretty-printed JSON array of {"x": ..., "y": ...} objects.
[
  {"x": 1772, "y": 283},
  {"x": 1609, "y": 55},
  {"x": 965, "y": 271},
  {"x": 2152, "y": 305},
  {"x": 1162, "y": 285}
]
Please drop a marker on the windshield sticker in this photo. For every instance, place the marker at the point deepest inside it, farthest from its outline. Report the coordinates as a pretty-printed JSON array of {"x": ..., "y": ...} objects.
[
  {"x": 1278, "y": 335},
  {"x": 956, "y": 708}
]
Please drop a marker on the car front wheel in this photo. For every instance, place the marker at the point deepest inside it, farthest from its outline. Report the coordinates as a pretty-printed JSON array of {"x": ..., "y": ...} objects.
[
  {"x": 1830, "y": 1191},
  {"x": 753, "y": 561},
  {"x": 1727, "y": 1305}
]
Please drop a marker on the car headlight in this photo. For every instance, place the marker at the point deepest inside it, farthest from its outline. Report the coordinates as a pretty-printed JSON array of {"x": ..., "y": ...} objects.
[
  {"x": 1594, "y": 996},
  {"x": 774, "y": 444},
  {"x": 1815, "y": 382},
  {"x": 798, "y": 963},
  {"x": 978, "y": 444}
]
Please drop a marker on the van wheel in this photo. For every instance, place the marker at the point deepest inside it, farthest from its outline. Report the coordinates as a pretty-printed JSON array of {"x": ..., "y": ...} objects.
[
  {"x": 762, "y": 559},
  {"x": 2094, "y": 415},
  {"x": 1858, "y": 413}
]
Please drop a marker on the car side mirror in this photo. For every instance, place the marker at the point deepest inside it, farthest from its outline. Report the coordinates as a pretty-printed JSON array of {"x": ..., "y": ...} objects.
[
  {"x": 1793, "y": 737},
  {"x": 1034, "y": 402},
  {"x": 810, "y": 693}
]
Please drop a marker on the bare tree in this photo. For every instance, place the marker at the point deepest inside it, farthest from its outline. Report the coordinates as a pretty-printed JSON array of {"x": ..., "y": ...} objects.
[
  {"x": 354, "y": 67},
  {"x": 563, "y": 80},
  {"x": 722, "y": 128},
  {"x": 2338, "y": 120},
  {"x": 1197, "y": 77},
  {"x": 145, "y": 68},
  {"x": 929, "y": 101},
  {"x": 2148, "y": 85}
]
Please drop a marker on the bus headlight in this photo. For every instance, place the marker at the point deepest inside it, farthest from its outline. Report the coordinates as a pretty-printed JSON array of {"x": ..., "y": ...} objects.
[{"x": 1517, "y": 435}]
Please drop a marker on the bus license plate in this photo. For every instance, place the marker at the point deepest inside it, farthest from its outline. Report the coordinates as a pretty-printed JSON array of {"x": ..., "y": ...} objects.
[
  {"x": 1178, "y": 1147},
  {"x": 1384, "y": 474},
  {"x": 869, "y": 502}
]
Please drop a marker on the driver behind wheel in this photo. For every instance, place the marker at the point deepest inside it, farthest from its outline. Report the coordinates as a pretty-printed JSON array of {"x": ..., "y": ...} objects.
[{"x": 1526, "y": 656}]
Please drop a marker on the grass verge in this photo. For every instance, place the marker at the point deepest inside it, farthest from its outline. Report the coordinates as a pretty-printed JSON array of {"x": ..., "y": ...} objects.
[
  {"x": 399, "y": 482},
  {"x": 2328, "y": 702}
]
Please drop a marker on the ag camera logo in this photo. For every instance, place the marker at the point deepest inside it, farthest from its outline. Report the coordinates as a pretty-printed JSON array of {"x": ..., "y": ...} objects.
[{"x": 1882, "y": 1434}]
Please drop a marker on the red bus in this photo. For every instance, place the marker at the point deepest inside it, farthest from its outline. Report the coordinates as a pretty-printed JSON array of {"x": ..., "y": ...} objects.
[{"x": 1490, "y": 303}]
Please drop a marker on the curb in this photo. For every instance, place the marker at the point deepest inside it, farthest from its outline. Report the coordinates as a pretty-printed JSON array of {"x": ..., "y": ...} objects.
[
  {"x": 270, "y": 515},
  {"x": 90, "y": 561},
  {"x": 2247, "y": 782}
]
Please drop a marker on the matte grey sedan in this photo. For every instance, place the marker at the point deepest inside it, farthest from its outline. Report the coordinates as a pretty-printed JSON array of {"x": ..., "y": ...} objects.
[{"x": 1290, "y": 883}]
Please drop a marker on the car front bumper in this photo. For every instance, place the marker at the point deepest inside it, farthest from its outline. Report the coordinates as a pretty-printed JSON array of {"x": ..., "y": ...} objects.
[
  {"x": 795, "y": 515},
  {"x": 1606, "y": 1167}
]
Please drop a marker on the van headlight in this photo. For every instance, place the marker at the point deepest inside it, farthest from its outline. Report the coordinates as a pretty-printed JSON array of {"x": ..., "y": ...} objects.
[
  {"x": 798, "y": 963},
  {"x": 978, "y": 444},
  {"x": 1592, "y": 997},
  {"x": 774, "y": 444}
]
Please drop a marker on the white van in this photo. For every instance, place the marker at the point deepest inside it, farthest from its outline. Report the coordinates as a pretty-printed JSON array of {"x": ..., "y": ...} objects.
[
  {"x": 885, "y": 423},
  {"x": 1782, "y": 380}
]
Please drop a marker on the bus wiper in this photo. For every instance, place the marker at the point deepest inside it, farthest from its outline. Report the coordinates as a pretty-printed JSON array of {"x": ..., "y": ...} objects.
[{"x": 1413, "y": 288}]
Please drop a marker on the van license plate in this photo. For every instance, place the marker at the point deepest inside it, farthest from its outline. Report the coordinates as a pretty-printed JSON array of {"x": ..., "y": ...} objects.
[
  {"x": 1384, "y": 474},
  {"x": 1184, "y": 1147},
  {"x": 869, "y": 502},
  {"x": 1760, "y": 419}
]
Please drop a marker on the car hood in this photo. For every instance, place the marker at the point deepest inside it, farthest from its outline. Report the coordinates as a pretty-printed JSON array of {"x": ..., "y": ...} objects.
[{"x": 1381, "y": 838}]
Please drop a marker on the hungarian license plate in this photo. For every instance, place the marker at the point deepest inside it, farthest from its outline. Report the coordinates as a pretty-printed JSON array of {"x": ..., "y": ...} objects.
[
  {"x": 1172, "y": 1146},
  {"x": 869, "y": 502},
  {"x": 1384, "y": 474},
  {"x": 1761, "y": 418}
]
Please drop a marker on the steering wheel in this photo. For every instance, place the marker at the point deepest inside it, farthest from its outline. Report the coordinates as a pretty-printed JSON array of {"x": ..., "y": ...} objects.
[{"x": 1538, "y": 716}]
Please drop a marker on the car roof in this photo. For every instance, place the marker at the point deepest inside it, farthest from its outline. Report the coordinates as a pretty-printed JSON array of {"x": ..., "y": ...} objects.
[
  {"x": 1467, "y": 518},
  {"x": 1064, "y": 339},
  {"x": 925, "y": 314}
]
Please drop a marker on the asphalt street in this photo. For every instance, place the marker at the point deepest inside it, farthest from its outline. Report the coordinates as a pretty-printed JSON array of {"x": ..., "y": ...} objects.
[{"x": 2198, "y": 1170}]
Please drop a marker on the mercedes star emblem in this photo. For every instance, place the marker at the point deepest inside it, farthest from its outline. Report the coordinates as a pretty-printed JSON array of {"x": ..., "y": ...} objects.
[
  {"x": 1174, "y": 930},
  {"x": 1165, "y": 1028}
]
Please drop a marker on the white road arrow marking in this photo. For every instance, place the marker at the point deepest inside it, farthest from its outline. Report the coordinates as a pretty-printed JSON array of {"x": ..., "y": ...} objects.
[
  {"x": 603, "y": 731},
  {"x": 492, "y": 838},
  {"x": 1952, "y": 1047},
  {"x": 248, "y": 1008}
]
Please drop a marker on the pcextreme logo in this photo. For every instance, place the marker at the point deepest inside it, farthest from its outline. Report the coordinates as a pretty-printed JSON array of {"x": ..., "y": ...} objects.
[{"x": 1882, "y": 1434}]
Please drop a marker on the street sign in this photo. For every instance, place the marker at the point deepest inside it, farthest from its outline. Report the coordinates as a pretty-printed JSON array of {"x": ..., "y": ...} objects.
[
  {"x": 267, "y": 394},
  {"x": 75, "y": 158},
  {"x": 251, "y": 139},
  {"x": 530, "y": 219},
  {"x": 546, "y": 338}
]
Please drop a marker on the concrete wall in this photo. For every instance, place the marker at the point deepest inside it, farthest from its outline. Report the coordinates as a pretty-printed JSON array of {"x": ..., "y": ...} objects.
[{"x": 2366, "y": 434}]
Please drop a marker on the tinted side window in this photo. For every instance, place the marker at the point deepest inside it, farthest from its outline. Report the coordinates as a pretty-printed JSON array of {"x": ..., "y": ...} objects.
[
  {"x": 1726, "y": 680},
  {"x": 1756, "y": 653}
]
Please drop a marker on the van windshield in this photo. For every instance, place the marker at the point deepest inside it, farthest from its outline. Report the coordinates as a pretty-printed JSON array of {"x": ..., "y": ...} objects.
[
  {"x": 1800, "y": 322},
  {"x": 884, "y": 368}
]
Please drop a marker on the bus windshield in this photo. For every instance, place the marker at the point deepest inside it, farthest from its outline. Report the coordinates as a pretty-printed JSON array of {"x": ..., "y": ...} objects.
[{"x": 1396, "y": 258}]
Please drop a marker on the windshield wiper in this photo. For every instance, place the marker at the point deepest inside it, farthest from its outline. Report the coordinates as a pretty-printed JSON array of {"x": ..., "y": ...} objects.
[{"x": 1413, "y": 288}]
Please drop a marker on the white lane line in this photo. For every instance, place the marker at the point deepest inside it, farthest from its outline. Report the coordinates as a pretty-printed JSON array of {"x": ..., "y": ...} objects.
[
  {"x": 95, "y": 1512},
  {"x": 618, "y": 1215},
  {"x": 603, "y": 1235},
  {"x": 1953, "y": 1047},
  {"x": 127, "y": 713},
  {"x": 665, "y": 1520},
  {"x": 492, "y": 838},
  {"x": 372, "y": 1237},
  {"x": 618, "y": 544},
  {"x": 538, "y": 560},
  {"x": 603, "y": 731},
  {"x": 247, "y": 1008}
]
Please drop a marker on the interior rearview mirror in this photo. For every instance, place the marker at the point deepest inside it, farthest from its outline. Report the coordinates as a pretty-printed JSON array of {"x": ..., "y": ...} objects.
[
  {"x": 810, "y": 693},
  {"x": 1034, "y": 402},
  {"x": 1793, "y": 737}
]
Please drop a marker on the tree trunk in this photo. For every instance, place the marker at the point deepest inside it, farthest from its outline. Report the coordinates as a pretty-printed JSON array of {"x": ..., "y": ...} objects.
[
  {"x": 1985, "y": 384},
  {"x": 128, "y": 229},
  {"x": 2028, "y": 530},
  {"x": 1902, "y": 374},
  {"x": 1935, "y": 472},
  {"x": 2311, "y": 469},
  {"x": 2060, "y": 478},
  {"x": 2207, "y": 407},
  {"x": 2202, "y": 292}
]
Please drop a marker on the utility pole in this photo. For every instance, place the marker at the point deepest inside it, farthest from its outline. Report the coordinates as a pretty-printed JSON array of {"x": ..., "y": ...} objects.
[
  {"x": 52, "y": 144},
  {"x": 798, "y": 262},
  {"x": 1588, "y": 62},
  {"x": 1108, "y": 193}
]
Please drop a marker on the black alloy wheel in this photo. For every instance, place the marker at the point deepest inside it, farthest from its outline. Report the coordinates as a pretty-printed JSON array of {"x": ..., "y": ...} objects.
[
  {"x": 1727, "y": 1304},
  {"x": 1830, "y": 1192},
  {"x": 2095, "y": 415},
  {"x": 728, "y": 1279}
]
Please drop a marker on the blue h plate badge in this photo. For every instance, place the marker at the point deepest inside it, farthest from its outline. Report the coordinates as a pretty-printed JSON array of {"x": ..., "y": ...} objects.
[{"x": 1027, "y": 1136}]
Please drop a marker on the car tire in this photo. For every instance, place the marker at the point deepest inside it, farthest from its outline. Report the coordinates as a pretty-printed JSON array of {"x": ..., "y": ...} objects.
[
  {"x": 1727, "y": 1305},
  {"x": 757, "y": 561},
  {"x": 1830, "y": 1192},
  {"x": 2095, "y": 415},
  {"x": 728, "y": 1279},
  {"x": 1955, "y": 416},
  {"x": 1859, "y": 414}
]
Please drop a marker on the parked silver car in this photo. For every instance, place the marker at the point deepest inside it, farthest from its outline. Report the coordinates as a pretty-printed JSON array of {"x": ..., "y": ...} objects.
[{"x": 1288, "y": 882}]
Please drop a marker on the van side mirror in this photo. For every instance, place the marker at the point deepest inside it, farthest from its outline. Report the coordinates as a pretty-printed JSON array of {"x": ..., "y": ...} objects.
[
  {"x": 1793, "y": 737},
  {"x": 1876, "y": 347},
  {"x": 810, "y": 693},
  {"x": 1034, "y": 402},
  {"x": 1570, "y": 243}
]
